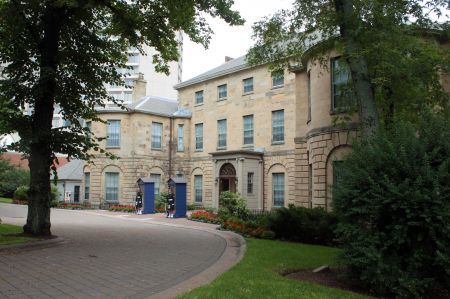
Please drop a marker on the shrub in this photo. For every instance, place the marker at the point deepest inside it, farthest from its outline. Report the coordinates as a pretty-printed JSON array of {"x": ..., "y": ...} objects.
[
  {"x": 11, "y": 177},
  {"x": 161, "y": 200},
  {"x": 233, "y": 204},
  {"x": 393, "y": 205},
  {"x": 299, "y": 224},
  {"x": 122, "y": 208},
  {"x": 21, "y": 193}
]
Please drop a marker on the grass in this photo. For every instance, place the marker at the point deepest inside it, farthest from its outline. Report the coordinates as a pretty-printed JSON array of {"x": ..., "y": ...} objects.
[
  {"x": 257, "y": 275},
  {"x": 6, "y": 239},
  {"x": 5, "y": 200}
]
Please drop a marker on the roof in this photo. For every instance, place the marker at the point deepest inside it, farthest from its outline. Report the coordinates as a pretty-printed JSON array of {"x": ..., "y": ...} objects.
[
  {"x": 152, "y": 105},
  {"x": 229, "y": 67},
  {"x": 72, "y": 171},
  {"x": 18, "y": 159}
]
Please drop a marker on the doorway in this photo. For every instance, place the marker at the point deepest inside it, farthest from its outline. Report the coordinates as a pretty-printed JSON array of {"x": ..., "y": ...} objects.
[{"x": 227, "y": 178}]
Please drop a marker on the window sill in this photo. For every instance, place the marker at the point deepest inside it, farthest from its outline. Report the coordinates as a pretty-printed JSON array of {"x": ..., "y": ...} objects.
[
  {"x": 221, "y": 148},
  {"x": 248, "y": 93},
  {"x": 198, "y": 150},
  {"x": 180, "y": 151},
  {"x": 277, "y": 87},
  {"x": 277, "y": 142},
  {"x": 248, "y": 146},
  {"x": 198, "y": 105},
  {"x": 221, "y": 99},
  {"x": 159, "y": 149}
]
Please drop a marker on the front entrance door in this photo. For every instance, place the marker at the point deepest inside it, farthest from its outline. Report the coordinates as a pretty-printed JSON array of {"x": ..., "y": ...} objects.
[
  {"x": 227, "y": 178},
  {"x": 76, "y": 194},
  {"x": 227, "y": 184}
]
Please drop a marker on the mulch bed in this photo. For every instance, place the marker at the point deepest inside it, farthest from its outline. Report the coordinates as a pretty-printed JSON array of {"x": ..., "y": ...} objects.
[{"x": 328, "y": 277}]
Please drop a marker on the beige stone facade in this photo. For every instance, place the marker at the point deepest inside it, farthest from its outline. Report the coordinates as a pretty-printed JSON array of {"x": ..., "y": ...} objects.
[{"x": 276, "y": 145}]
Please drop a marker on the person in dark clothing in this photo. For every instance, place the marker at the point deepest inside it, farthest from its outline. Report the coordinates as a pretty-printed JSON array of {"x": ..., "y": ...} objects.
[{"x": 170, "y": 205}]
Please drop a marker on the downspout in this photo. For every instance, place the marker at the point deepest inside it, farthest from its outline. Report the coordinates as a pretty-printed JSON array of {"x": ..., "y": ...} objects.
[
  {"x": 263, "y": 170},
  {"x": 170, "y": 147}
]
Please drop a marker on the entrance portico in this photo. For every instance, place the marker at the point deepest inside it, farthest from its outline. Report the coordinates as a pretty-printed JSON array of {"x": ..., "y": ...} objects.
[{"x": 239, "y": 171}]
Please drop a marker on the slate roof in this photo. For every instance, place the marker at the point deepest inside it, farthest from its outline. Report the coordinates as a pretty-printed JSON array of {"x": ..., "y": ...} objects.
[
  {"x": 229, "y": 67},
  {"x": 152, "y": 105},
  {"x": 72, "y": 171}
]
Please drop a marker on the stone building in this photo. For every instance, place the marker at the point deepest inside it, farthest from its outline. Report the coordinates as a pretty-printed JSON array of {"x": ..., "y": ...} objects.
[{"x": 267, "y": 135}]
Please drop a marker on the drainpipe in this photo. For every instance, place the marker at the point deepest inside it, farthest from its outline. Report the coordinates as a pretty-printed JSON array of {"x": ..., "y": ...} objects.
[
  {"x": 263, "y": 170},
  {"x": 170, "y": 147}
]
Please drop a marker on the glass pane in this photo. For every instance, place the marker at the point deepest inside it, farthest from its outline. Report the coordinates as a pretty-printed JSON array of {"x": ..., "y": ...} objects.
[
  {"x": 112, "y": 186},
  {"x": 156, "y": 135},
  {"x": 87, "y": 185},
  {"x": 199, "y": 97},
  {"x": 198, "y": 188},
  {"x": 199, "y": 136},
  {"x": 248, "y": 129},
  {"x": 278, "y": 189},
  {"x": 248, "y": 85},
  {"x": 278, "y": 126},
  {"x": 157, "y": 178},
  {"x": 222, "y": 132},
  {"x": 180, "y": 138},
  {"x": 113, "y": 131}
]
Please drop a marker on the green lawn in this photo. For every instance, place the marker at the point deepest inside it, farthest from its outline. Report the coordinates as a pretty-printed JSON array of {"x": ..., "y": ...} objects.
[
  {"x": 6, "y": 229},
  {"x": 5, "y": 200},
  {"x": 256, "y": 276}
]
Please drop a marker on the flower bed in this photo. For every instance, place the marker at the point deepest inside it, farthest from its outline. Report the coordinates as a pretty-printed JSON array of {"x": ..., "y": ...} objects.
[
  {"x": 247, "y": 228},
  {"x": 72, "y": 206},
  {"x": 204, "y": 216},
  {"x": 123, "y": 208}
]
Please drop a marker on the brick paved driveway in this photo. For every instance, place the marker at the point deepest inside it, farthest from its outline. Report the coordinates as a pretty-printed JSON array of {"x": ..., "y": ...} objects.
[{"x": 104, "y": 257}]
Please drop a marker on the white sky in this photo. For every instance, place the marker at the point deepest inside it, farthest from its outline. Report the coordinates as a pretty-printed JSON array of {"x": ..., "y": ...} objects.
[{"x": 227, "y": 40}]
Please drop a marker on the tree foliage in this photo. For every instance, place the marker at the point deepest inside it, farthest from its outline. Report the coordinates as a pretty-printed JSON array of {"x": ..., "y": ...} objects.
[
  {"x": 11, "y": 177},
  {"x": 63, "y": 52},
  {"x": 400, "y": 43},
  {"x": 393, "y": 207}
]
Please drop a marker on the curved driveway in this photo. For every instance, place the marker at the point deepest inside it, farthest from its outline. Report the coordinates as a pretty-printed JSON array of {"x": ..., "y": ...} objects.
[{"x": 106, "y": 255}]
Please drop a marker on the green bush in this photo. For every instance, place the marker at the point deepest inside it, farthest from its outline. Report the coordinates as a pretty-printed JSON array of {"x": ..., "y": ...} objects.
[
  {"x": 233, "y": 204},
  {"x": 11, "y": 177},
  {"x": 393, "y": 206},
  {"x": 299, "y": 224},
  {"x": 161, "y": 200},
  {"x": 21, "y": 193}
]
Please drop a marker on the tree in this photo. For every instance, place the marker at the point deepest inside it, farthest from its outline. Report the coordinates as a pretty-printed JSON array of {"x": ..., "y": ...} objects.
[
  {"x": 393, "y": 207},
  {"x": 63, "y": 52},
  {"x": 392, "y": 48}
]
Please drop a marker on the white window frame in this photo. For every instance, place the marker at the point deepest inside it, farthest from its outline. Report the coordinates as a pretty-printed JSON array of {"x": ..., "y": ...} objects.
[
  {"x": 277, "y": 79},
  {"x": 222, "y": 92},
  {"x": 198, "y": 189},
  {"x": 247, "y": 85},
  {"x": 157, "y": 129},
  {"x": 199, "y": 97},
  {"x": 199, "y": 137},
  {"x": 278, "y": 189},
  {"x": 112, "y": 191},
  {"x": 113, "y": 133},
  {"x": 180, "y": 143},
  {"x": 222, "y": 133},
  {"x": 248, "y": 129},
  {"x": 278, "y": 127}
]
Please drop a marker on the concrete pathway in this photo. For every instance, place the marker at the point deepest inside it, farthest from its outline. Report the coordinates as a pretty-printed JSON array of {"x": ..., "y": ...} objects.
[{"x": 99, "y": 254}]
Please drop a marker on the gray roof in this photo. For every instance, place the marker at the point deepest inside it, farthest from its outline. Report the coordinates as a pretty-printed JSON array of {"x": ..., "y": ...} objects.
[
  {"x": 154, "y": 105},
  {"x": 72, "y": 171},
  {"x": 229, "y": 67}
]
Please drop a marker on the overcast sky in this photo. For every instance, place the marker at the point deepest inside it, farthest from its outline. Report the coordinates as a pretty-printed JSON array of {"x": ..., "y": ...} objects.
[{"x": 227, "y": 40}]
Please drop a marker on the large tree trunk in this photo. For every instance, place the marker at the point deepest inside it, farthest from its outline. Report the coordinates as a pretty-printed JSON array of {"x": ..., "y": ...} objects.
[
  {"x": 349, "y": 26},
  {"x": 38, "y": 219}
]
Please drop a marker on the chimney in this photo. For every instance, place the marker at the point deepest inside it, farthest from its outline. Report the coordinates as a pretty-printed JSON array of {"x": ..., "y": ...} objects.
[
  {"x": 139, "y": 87},
  {"x": 228, "y": 58}
]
